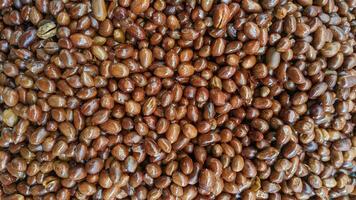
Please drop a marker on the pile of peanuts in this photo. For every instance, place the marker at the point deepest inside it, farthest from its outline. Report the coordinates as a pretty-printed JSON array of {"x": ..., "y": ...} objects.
[{"x": 177, "y": 99}]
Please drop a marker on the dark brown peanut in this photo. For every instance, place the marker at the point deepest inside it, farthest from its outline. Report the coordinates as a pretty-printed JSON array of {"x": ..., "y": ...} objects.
[{"x": 221, "y": 15}]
